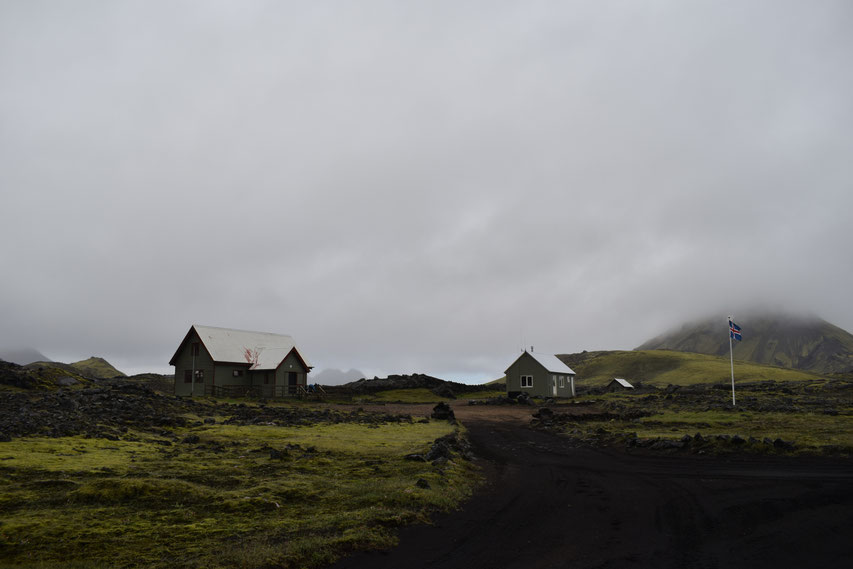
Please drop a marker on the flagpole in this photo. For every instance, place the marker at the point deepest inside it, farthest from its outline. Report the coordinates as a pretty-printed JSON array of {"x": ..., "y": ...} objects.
[{"x": 732, "y": 357}]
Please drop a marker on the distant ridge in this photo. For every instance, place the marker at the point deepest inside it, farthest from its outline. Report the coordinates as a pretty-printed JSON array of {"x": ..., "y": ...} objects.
[
  {"x": 331, "y": 376},
  {"x": 94, "y": 368},
  {"x": 23, "y": 356},
  {"x": 807, "y": 343}
]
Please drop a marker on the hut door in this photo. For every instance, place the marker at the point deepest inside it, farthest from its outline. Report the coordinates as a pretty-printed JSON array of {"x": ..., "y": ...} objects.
[{"x": 554, "y": 381}]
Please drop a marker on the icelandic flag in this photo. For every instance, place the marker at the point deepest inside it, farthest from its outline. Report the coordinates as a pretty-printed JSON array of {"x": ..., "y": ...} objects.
[{"x": 734, "y": 331}]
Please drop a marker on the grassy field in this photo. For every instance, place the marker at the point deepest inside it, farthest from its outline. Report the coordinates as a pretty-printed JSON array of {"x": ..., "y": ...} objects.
[
  {"x": 810, "y": 431},
  {"x": 241, "y": 496},
  {"x": 816, "y": 416}
]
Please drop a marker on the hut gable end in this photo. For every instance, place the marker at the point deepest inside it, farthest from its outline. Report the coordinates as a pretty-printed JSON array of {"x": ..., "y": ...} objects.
[{"x": 540, "y": 375}]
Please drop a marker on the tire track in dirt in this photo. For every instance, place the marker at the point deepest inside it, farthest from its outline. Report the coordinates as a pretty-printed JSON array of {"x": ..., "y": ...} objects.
[{"x": 548, "y": 504}]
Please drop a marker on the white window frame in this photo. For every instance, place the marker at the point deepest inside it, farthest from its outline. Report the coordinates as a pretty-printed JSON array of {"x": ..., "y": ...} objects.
[
  {"x": 529, "y": 381},
  {"x": 562, "y": 381}
]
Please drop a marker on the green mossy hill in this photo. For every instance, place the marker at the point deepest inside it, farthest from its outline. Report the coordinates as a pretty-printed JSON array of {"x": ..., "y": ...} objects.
[
  {"x": 41, "y": 375},
  {"x": 661, "y": 367},
  {"x": 806, "y": 343},
  {"x": 98, "y": 368}
]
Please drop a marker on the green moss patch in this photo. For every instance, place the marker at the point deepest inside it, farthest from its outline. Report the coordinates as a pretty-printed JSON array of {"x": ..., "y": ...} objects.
[
  {"x": 814, "y": 417},
  {"x": 239, "y": 496}
]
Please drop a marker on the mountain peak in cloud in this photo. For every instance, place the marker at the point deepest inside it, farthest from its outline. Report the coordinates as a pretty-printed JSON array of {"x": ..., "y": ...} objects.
[
  {"x": 23, "y": 356},
  {"x": 333, "y": 376},
  {"x": 798, "y": 341}
]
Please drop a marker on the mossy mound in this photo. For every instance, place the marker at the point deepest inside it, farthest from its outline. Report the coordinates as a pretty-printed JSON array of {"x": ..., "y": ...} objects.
[
  {"x": 40, "y": 376},
  {"x": 98, "y": 368}
]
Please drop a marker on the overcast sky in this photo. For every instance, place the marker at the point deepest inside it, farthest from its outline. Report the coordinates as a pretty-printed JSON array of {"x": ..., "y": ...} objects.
[{"x": 418, "y": 186}]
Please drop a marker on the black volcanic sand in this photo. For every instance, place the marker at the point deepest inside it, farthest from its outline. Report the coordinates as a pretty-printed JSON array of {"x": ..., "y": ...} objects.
[{"x": 549, "y": 504}]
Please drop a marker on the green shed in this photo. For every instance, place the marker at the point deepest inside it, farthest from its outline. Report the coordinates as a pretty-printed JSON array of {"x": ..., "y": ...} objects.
[
  {"x": 539, "y": 375},
  {"x": 227, "y": 362}
]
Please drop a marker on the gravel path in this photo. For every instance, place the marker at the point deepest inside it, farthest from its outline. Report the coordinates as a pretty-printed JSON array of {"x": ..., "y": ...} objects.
[{"x": 549, "y": 504}]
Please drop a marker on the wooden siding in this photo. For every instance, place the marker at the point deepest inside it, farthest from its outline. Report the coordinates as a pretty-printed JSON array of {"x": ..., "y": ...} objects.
[
  {"x": 291, "y": 363},
  {"x": 184, "y": 362}
]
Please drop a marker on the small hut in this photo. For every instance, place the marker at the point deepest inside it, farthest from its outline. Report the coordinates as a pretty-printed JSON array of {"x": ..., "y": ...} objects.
[{"x": 619, "y": 384}]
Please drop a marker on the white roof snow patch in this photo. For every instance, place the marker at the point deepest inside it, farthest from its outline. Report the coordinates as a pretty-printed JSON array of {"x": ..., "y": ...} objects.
[
  {"x": 227, "y": 345},
  {"x": 552, "y": 363}
]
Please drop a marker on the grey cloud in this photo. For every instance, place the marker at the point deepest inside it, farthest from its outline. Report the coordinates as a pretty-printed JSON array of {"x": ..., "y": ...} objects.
[{"x": 409, "y": 188}]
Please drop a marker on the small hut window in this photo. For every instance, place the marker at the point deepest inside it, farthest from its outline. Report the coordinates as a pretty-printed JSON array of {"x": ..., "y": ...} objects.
[{"x": 526, "y": 381}]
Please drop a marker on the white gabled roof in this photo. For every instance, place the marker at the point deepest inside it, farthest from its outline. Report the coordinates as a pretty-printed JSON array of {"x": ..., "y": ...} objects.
[
  {"x": 552, "y": 363},
  {"x": 227, "y": 345},
  {"x": 623, "y": 382}
]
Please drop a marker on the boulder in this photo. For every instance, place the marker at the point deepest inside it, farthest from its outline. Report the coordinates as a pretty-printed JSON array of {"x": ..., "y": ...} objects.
[
  {"x": 544, "y": 414},
  {"x": 442, "y": 412},
  {"x": 667, "y": 444},
  {"x": 783, "y": 445},
  {"x": 440, "y": 449},
  {"x": 524, "y": 399}
]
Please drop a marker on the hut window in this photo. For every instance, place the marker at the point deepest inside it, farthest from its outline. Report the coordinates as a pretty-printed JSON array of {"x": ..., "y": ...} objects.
[
  {"x": 199, "y": 376},
  {"x": 526, "y": 381},
  {"x": 562, "y": 381},
  {"x": 238, "y": 373},
  {"x": 188, "y": 376}
]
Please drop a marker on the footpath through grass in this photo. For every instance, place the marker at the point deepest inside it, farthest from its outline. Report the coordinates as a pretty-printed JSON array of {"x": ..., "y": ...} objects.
[{"x": 247, "y": 496}]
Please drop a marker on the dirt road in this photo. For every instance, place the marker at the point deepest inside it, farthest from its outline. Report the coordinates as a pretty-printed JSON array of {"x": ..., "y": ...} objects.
[{"x": 549, "y": 505}]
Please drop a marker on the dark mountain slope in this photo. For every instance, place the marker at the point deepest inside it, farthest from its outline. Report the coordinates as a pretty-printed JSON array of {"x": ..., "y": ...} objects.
[{"x": 806, "y": 343}]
